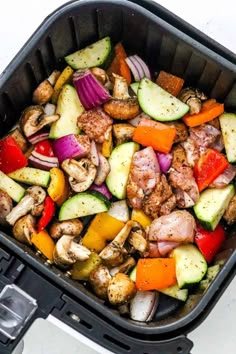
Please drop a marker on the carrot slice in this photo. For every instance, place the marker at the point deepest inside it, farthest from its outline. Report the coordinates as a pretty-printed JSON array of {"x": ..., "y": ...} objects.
[
  {"x": 210, "y": 110},
  {"x": 125, "y": 71},
  {"x": 155, "y": 273},
  {"x": 158, "y": 135},
  {"x": 171, "y": 83},
  {"x": 118, "y": 65}
]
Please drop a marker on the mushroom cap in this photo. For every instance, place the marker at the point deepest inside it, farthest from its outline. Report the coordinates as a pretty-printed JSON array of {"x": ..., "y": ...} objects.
[
  {"x": 121, "y": 289},
  {"x": 24, "y": 228},
  {"x": 99, "y": 279},
  {"x": 34, "y": 118},
  {"x": 67, "y": 251},
  {"x": 122, "y": 109},
  {"x": 81, "y": 173},
  {"x": 71, "y": 227}
]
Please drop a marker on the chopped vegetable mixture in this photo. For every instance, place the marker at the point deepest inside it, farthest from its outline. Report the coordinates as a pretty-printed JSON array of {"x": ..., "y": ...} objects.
[{"x": 147, "y": 159}]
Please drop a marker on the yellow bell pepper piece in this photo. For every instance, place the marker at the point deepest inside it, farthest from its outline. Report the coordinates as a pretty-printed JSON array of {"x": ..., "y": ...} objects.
[
  {"x": 141, "y": 217},
  {"x": 103, "y": 228},
  {"x": 107, "y": 145},
  {"x": 58, "y": 189},
  {"x": 44, "y": 243},
  {"x": 64, "y": 77}
]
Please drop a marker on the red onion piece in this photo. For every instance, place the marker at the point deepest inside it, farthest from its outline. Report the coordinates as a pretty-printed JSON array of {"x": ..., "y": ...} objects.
[
  {"x": 136, "y": 120},
  {"x": 90, "y": 91},
  {"x": 143, "y": 306},
  {"x": 71, "y": 146},
  {"x": 135, "y": 71},
  {"x": 38, "y": 136},
  {"x": 43, "y": 162},
  {"x": 164, "y": 161},
  {"x": 138, "y": 67},
  {"x": 102, "y": 189}
]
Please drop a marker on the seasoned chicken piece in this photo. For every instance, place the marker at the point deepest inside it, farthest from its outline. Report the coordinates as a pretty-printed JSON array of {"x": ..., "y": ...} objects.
[
  {"x": 95, "y": 123},
  {"x": 201, "y": 138},
  {"x": 143, "y": 177},
  {"x": 161, "y": 201},
  {"x": 181, "y": 131},
  {"x": 182, "y": 180},
  {"x": 224, "y": 178},
  {"x": 179, "y": 226},
  {"x": 230, "y": 213}
]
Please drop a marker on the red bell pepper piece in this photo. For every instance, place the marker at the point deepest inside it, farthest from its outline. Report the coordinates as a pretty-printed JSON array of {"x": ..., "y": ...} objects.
[
  {"x": 11, "y": 156},
  {"x": 209, "y": 242},
  {"x": 44, "y": 148},
  {"x": 48, "y": 213},
  {"x": 210, "y": 165}
]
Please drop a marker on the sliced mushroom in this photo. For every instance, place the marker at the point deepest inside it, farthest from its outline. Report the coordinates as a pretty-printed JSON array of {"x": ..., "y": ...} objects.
[
  {"x": 123, "y": 132},
  {"x": 68, "y": 227},
  {"x": 99, "y": 279},
  {"x": 37, "y": 210},
  {"x": 24, "y": 228},
  {"x": 121, "y": 289},
  {"x": 67, "y": 251},
  {"x": 5, "y": 207},
  {"x": 34, "y": 118},
  {"x": 125, "y": 267},
  {"x": 137, "y": 239},
  {"x": 102, "y": 77},
  {"x": 43, "y": 93},
  {"x": 193, "y": 98},
  {"x": 121, "y": 106},
  {"x": 113, "y": 254},
  {"x": 102, "y": 170},
  {"x": 81, "y": 173},
  {"x": 35, "y": 195}
]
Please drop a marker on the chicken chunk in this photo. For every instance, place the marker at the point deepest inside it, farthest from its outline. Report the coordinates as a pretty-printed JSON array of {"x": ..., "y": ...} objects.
[
  {"x": 161, "y": 201},
  {"x": 144, "y": 175},
  {"x": 6, "y": 206},
  {"x": 182, "y": 180},
  {"x": 95, "y": 123},
  {"x": 179, "y": 226}
]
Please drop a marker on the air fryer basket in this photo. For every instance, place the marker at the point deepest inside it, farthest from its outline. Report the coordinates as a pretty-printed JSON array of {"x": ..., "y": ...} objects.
[{"x": 72, "y": 26}]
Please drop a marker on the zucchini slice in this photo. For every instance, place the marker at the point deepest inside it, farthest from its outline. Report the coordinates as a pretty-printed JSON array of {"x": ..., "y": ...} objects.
[
  {"x": 83, "y": 204},
  {"x": 96, "y": 54},
  {"x": 212, "y": 204},
  {"x": 228, "y": 128},
  {"x": 158, "y": 103}
]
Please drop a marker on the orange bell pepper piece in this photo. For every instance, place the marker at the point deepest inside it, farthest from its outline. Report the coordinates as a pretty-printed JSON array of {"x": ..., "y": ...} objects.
[
  {"x": 155, "y": 273},
  {"x": 44, "y": 243}
]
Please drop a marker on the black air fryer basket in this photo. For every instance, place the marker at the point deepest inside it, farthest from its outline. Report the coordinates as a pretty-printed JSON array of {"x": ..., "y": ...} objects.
[{"x": 167, "y": 43}]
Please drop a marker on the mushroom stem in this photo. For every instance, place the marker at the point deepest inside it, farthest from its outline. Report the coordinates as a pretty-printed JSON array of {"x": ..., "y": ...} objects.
[
  {"x": 35, "y": 196},
  {"x": 121, "y": 89}
]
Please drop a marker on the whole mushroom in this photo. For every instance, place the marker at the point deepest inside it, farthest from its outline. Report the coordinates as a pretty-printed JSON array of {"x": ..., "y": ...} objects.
[
  {"x": 67, "y": 251},
  {"x": 71, "y": 227},
  {"x": 81, "y": 173},
  {"x": 5, "y": 207},
  {"x": 24, "y": 228},
  {"x": 121, "y": 106},
  {"x": 34, "y": 118},
  {"x": 121, "y": 289},
  {"x": 99, "y": 279}
]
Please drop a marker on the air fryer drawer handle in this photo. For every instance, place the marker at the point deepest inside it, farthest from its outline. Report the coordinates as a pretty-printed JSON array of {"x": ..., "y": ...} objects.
[{"x": 96, "y": 328}]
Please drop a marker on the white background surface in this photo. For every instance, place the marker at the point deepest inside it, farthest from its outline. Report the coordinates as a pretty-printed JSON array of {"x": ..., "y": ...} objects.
[{"x": 18, "y": 20}]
